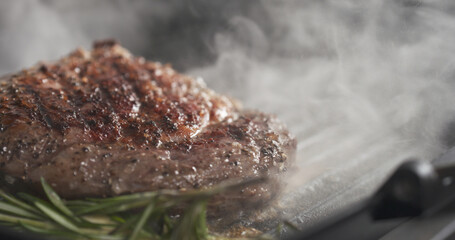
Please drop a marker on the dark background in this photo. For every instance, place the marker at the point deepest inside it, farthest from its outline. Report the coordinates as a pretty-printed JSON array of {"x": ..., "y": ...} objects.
[{"x": 179, "y": 32}]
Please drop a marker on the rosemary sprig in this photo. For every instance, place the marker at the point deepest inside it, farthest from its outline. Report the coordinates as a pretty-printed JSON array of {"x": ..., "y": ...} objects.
[{"x": 136, "y": 216}]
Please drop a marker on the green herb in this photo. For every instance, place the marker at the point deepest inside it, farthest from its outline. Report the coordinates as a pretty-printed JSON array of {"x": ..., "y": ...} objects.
[{"x": 134, "y": 217}]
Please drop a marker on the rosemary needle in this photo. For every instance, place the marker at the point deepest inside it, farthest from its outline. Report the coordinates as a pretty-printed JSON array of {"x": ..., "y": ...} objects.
[
  {"x": 137, "y": 216},
  {"x": 145, "y": 215}
]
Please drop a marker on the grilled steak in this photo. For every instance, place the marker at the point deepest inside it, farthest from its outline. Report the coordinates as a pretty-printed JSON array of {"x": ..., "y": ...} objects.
[{"x": 105, "y": 123}]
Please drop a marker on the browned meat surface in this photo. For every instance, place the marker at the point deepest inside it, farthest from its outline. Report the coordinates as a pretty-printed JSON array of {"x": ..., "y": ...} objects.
[{"x": 105, "y": 123}]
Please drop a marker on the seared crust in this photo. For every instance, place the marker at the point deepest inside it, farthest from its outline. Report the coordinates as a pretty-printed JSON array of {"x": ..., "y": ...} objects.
[{"x": 104, "y": 123}]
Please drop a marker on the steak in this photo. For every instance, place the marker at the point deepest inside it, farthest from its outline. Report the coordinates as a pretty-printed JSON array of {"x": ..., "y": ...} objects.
[{"x": 103, "y": 123}]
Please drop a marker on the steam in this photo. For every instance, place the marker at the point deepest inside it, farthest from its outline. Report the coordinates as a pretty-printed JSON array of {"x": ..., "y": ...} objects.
[
  {"x": 363, "y": 85},
  {"x": 364, "y": 66},
  {"x": 382, "y": 68}
]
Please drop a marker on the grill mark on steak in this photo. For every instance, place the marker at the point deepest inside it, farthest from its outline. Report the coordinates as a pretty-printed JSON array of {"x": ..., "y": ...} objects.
[
  {"x": 112, "y": 118},
  {"x": 41, "y": 109},
  {"x": 105, "y": 123}
]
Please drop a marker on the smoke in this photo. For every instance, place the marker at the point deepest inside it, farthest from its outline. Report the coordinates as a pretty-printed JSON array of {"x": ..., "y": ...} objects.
[
  {"x": 363, "y": 85},
  {"x": 382, "y": 67},
  {"x": 375, "y": 67}
]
